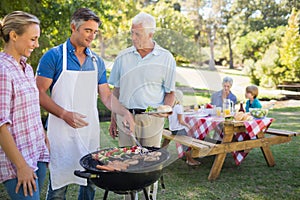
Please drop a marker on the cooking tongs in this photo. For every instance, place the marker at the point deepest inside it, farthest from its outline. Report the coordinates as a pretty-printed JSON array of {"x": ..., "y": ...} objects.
[{"x": 143, "y": 151}]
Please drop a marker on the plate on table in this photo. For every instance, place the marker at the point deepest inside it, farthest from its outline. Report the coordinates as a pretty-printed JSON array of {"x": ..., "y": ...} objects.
[
  {"x": 189, "y": 113},
  {"x": 200, "y": 115}
]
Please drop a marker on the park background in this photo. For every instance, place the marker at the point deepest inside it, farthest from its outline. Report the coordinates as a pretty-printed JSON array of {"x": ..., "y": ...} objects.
[{"x": 254, "y": 41}]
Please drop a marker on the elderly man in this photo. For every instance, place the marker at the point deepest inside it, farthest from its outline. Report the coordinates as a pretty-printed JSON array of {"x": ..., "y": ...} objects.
[{"x": 143, "y": 75}]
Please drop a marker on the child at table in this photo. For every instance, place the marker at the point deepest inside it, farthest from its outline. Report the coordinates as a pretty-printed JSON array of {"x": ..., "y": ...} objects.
[
  {"x": 177, "y": 126},
  {"x": 251, "y": 95}
]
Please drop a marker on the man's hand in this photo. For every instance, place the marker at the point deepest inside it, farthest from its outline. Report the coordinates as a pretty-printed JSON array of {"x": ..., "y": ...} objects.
[
  {"x": 128, "y": 122},
  {"x": 26, "y": 178},
  {"x": 113, "y": 129},
  {"x": 74, "y": 119}
]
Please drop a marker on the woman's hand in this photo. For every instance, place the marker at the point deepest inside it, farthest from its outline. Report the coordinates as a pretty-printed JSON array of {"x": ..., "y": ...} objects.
[{"x": 26, "y": 178}]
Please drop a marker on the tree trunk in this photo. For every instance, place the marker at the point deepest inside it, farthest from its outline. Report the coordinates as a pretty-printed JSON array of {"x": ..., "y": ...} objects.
[
  {"x": 212, "y": 55},
  {"x": 101, "y": 45},
  {"x": 230, "y": 51}
]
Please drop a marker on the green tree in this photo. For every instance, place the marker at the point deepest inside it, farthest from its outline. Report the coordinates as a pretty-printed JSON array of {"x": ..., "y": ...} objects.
[
  {"x": 290, "y": 51},
  {"x": 260, "y": 54}
]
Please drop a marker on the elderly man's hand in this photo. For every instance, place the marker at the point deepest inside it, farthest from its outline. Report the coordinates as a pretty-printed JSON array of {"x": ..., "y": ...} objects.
[{"x": 128, "y": 122}]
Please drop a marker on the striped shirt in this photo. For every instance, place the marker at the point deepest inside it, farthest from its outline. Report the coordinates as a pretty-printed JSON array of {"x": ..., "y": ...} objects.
[{"x": 20, "y": 110}]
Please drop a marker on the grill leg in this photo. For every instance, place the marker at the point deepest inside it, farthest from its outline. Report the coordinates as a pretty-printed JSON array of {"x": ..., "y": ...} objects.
[
  {"x": 105, "y": 195},
  {"x": 132, "y": 195},
  {"x": 162, "y": 182},
  {"x": 146, "y": 194}
]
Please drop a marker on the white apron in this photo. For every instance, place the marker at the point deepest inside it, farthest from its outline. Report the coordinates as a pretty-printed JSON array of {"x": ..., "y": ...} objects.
[{"x": 74, "y": 91}]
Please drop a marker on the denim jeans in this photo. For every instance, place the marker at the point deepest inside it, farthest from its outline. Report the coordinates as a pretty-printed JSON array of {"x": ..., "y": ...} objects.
[
  {"x": 85, "y": 192},
  {"x": 11, "y": 184}
]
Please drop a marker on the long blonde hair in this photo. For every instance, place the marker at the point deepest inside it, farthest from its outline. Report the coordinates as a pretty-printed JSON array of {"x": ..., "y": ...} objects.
[{"x": 16, "y": 21}]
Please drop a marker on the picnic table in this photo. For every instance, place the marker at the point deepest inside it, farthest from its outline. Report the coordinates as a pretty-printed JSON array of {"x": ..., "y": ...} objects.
[{"x": 236, "y": 137}]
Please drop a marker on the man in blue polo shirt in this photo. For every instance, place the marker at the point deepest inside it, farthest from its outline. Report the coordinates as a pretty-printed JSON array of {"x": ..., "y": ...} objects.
[{"x": 75, "y": 75}]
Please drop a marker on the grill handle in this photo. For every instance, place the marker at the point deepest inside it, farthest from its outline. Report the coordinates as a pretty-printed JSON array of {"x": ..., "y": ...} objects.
[{"x": 85, "y": 174}]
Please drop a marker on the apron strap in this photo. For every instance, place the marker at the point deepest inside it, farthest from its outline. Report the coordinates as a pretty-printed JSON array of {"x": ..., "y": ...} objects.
[
  {"x": 64, "y": 67},
  {"x": 65, "y": 59},
  {"x": 94, "y": 63}
]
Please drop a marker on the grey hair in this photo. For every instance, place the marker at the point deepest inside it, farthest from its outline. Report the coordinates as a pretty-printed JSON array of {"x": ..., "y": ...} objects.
[
  {"x": 82, "y": 15},
  {"x": 16, "y": 21},
  {"x": 227, "y": 79},
  {"x": 147, "y": 21}
]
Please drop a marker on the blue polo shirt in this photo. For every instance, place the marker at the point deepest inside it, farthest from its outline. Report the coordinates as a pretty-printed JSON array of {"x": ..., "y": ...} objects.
[{"x": 50, "y": 64}]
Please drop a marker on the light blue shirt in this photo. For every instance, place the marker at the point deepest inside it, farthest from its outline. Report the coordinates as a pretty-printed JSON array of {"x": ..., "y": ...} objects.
[{"x": 144, "y": 81}]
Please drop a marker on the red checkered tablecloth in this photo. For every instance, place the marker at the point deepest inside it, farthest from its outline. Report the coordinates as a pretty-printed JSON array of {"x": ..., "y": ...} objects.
[
  {"x": 253, "y": 128},
  {"x": 202, "y": 126}
]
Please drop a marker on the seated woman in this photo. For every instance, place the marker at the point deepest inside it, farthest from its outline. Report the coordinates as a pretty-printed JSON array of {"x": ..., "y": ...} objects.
[
  {"x": 225, "y": 93},
  {"x": 177, "y": 126}
]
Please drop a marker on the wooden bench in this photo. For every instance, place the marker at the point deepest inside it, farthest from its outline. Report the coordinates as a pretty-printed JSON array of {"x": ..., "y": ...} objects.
[
  {"x": 199, "y": 145},
  {"x": 287, "y": 133},
  {"x": 293, "y": 87},
  {"x": 206, "y": 148},
  {"x": 290, "y": 91}
]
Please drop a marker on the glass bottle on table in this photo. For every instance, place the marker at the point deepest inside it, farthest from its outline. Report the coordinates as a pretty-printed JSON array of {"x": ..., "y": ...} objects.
[{"x": 241, "y": 107}]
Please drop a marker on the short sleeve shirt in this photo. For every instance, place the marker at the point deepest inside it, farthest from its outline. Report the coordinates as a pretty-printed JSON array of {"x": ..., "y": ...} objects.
[
  {"x": 50, "y": 65},
  {"x": 174, "y": 124},
  {"x": 20, "y": 110},
  {"x": 144, "y": 81},
  {"x": 254, "y": 104}
]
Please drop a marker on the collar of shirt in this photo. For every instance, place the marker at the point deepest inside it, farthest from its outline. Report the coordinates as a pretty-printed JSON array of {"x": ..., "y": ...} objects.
[
  {"x": 71, "y": 49},
  {"x": 154, "y": 52}
]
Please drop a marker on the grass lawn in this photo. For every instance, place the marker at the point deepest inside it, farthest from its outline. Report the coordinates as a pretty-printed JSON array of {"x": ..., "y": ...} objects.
[{"x": 253, "y": 179}]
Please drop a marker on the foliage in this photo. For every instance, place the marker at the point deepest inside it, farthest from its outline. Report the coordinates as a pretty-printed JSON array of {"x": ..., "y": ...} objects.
[
  {"x": 183, "y": 48},
  {"x": 241, "y": 30},
  {"x": 260, "y": 55},
  {"x": 267, "y": 70},
  {"x": 290, "y": 50},
  {"x": 273, "y": 55}
]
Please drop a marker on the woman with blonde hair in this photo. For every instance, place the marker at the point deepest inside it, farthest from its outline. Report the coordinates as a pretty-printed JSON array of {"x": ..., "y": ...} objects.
[{"x": 23, "y": 143}]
